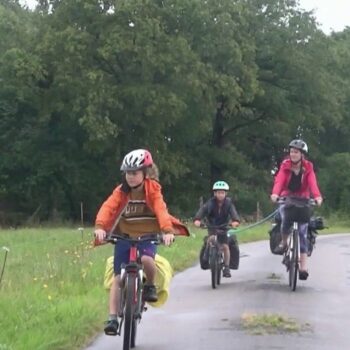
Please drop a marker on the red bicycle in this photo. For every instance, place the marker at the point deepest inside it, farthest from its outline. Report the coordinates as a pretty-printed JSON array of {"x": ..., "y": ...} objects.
[{"x": 132, "y": 303}]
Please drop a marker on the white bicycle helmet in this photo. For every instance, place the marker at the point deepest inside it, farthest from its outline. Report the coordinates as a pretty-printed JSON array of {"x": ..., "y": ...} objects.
[
  {"x": 221, "y": 185},
  {"x": 299, "y": 144},
  {"x": 136, "y": 160}
]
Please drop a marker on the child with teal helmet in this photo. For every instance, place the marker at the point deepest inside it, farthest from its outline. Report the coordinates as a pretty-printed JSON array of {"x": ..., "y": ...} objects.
[{"x": 219, "y": 211}]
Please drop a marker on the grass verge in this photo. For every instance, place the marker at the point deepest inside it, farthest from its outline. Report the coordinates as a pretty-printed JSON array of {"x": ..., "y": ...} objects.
[{"x": 51, "y": 294}]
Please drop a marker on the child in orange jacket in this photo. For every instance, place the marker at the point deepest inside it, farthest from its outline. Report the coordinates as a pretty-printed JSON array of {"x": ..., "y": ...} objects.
[{"x": 136, "y": 208}]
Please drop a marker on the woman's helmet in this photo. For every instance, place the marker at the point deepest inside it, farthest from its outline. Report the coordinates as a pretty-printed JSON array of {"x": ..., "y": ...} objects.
[
  {"x": 300, "y": 145},
  {"x": 137, "y": 160},
  {"x": 221, "y": 185}
]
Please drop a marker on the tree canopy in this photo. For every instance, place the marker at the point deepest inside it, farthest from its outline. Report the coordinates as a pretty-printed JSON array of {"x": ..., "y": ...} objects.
[{"x": 215, "y": 89}]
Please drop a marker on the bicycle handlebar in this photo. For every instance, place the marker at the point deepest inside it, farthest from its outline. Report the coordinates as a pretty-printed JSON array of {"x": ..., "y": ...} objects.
[
  {"x": 156, "y": 238},
  {"x": 282, "y": 200}
]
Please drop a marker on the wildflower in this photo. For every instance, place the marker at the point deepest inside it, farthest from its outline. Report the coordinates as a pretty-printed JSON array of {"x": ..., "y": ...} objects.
[
  {"x": 66, "y": 251},
  {"x": 45, "y": 285},
  {"x": 35, "y": 279},
  {"x": 49, "y": 297}
]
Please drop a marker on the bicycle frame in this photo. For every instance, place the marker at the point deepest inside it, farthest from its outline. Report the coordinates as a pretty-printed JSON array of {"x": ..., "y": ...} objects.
[
  {"x": 131, "y": 300},
  {"x": 216, "y": 261},
  {"x": 216, "y": 256},
  {"x": 291, "y": 256}
]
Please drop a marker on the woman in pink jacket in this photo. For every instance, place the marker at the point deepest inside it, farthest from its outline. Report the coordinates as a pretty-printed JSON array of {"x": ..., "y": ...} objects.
[{"x": 296, "y": 178}]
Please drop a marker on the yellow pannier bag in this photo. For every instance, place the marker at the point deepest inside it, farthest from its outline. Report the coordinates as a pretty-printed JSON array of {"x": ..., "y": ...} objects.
[{"x": 162, "y": 280}]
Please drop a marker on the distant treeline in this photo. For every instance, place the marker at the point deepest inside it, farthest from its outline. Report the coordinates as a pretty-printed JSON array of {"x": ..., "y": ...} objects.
[{"x": 214, "y": 89}]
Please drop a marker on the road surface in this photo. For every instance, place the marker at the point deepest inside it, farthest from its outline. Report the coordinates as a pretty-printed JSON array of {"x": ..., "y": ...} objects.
[{"x": 198, "y": 317}]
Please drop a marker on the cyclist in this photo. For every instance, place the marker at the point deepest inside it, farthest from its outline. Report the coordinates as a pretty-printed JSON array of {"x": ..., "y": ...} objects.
[
  {"x": 135, "y": 208},
  {"x": 219, "y": 211},
  {"x": 296, "y": 177}
]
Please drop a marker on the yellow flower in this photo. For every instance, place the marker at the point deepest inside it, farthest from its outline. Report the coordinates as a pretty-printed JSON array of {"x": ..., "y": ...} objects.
[
  {"x": 66, "y": 251},
  {"x": 49, "y": 297},
  {"x": 45, "y": 285},
  {"x": 35, "y": 279}
]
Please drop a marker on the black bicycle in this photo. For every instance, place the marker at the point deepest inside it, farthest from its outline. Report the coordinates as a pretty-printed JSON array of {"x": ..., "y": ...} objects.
[
  {"x": 132, "y": 303},
  {"x": 297, "y": 210},
  {"x": 215, "y": 253}
]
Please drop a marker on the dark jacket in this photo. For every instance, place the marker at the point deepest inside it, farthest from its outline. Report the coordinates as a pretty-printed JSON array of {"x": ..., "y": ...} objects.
[{"x": 215, "y": 217}]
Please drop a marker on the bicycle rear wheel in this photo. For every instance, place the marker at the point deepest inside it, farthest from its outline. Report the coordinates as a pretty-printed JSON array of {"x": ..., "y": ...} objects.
[
  {"x": 130, "y": 296},
  {"x": 213, "y": 262},
  {"x": 294, "y": 262}
]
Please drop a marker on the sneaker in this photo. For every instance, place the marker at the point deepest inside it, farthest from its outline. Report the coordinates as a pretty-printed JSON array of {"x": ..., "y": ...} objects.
[
  {"x": 280, "y": 249},
  {"x": 285, "y": 261},
  {"x": 150, "y": 293},
  {"x": 303, "y": 275},
  {"x": 226, "y": 272},
  {"x": 111, "y": 327}
]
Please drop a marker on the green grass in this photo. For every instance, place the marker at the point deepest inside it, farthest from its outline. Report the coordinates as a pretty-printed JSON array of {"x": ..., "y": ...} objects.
[
  {"x": 52, "y": 295},
  {"x": 271, "y": 324}
]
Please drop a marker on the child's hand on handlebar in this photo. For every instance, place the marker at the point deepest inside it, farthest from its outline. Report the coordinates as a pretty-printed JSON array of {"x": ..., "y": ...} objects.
[
  {"x": 197, "y": 223},
  {"x": 235, "y": 224},
  {"x": 100, "y": 234},
  {"x": 168, "y": 238}
]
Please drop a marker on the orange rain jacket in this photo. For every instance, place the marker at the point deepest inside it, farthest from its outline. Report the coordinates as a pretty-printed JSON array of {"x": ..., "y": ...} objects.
[{"x": 113, "y": 207}]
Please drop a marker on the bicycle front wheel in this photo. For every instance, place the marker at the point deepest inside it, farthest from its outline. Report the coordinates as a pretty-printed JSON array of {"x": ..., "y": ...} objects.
[
  {"x": 133, "y": 333},
  {"x": 137, "y": 313},
  {"x": 130, "y": 297},
  {"x": 219, "y": 268},
  {"x": 213, "y": 261},
  {"x": 294, "y": 261}
]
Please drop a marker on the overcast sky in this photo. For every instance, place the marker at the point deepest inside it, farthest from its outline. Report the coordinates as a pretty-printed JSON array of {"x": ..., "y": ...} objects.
[{"x": 331, "y": 14}]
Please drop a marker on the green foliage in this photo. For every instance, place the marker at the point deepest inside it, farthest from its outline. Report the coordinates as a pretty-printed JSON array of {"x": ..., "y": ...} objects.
[
  {"x": 214, "y": 89},
  {"x": 336, "y": 182}
]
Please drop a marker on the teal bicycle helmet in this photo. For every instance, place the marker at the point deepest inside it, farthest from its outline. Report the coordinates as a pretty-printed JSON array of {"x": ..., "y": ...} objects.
[{"x": 221, "y": 186}]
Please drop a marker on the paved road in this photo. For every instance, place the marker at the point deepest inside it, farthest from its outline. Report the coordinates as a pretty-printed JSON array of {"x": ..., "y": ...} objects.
[{"x": 198, "y": 317}]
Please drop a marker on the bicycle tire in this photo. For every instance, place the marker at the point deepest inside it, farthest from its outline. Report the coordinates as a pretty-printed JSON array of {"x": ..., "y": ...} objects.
[
  {"x": 136, "y": 320},
  {"x": 294, "y": 266},
  {"x": 213, "y": 262},
  {"x": 219, "y": 269},
  {"x": 129, "y": 310}
]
